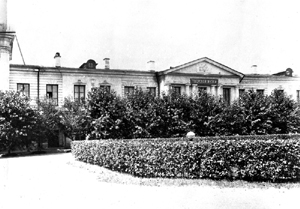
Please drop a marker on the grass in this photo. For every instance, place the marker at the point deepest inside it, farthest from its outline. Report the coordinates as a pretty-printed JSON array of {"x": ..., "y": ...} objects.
[{"x": 108, "y": 176}]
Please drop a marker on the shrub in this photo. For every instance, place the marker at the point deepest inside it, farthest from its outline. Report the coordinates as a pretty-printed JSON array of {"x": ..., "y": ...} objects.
[
  {"x": 255, "y": 160},
  {"x": 139, "y": 114},
  {"x": 143, "y": 158},
  {"x": 74, "y": 119},
  {"x": 284, "y": 113},
  {"x": 246, "y": 159},
  {"x": 107, "y": 110},
  {"x": 203, "y": 108},
  {"x": 17, "y": 120},
  {"x": 170, "y": 116}
]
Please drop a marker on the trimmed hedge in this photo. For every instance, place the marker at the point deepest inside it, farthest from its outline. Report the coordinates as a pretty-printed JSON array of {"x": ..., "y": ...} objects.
[{"x": 253, "y": 160}]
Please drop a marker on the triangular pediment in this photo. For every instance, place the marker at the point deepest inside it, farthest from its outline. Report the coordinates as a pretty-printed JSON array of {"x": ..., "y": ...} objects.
[{"x": 203, "y": 66}]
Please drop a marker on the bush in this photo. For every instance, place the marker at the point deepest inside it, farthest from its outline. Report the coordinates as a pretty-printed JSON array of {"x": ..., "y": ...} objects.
[
  {"x": 170, "y": 116},
  {"x": 18, "y": 121},
  {"x": 107, "y": 111},
  {"x": 246, "y": 159},
  {"x": 74, "y": 119},
  {"x": 143, "y": 158},
  {"x": 255, "y": 160}
]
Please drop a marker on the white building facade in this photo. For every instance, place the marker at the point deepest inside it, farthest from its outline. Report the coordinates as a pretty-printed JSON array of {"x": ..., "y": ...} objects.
[{"x": 58, "y": 82}]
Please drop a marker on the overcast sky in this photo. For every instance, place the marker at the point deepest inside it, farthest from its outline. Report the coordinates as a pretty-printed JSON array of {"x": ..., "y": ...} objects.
[{"x": 236, "y": 33}]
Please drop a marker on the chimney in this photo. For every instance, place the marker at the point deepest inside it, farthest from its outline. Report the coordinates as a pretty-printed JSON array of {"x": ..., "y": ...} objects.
[
  {"x": 106, "y": 63},
  {"x": 150, "y": 65},
  {"x": 254, "y": 69},
  {"x": 57, "y": 60}
]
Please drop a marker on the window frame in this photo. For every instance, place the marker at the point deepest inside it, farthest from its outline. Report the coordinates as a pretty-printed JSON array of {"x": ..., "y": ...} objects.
[
  {"x": 152, "y": 91},
  {"x": 107, "y": 88},
  {"x": 48, "y": 95},
  {"x": 227, "y": 95},
  {"x": 23, "y": 88},
  {"x": 128, "y": 90},
  {"x": 260, "y": 91},
  {"x": 241, "y": 92},
  {"x": 176, "y": 89},
  {"x": 77, "y": 95}
]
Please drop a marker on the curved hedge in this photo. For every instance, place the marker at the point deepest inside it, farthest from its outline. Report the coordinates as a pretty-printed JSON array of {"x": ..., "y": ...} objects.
[{"x": 255, "y": 160}]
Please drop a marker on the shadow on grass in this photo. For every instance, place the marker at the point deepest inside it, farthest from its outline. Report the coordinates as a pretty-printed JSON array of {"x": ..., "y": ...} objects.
[{"x": 34, "y": 153}]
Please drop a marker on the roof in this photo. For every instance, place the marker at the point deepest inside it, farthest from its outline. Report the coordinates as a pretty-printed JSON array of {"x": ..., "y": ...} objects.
[
  {"x": 206, "y": 59},
  {"x": 78, "y": 70}
]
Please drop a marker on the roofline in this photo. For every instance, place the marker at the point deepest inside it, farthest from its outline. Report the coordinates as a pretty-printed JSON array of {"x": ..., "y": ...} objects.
[
  {"x": 198, "y": 60},
  {"x": 78, "y": 70}
]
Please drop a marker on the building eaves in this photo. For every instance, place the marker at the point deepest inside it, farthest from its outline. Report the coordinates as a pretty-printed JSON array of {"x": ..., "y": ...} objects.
[{"x": 80, "y": 70}]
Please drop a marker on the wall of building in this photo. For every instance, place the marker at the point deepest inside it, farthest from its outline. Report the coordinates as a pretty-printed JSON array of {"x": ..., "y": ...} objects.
[
  {"x": 66, "y": 78},
  {"x": 270, "y": 82}
]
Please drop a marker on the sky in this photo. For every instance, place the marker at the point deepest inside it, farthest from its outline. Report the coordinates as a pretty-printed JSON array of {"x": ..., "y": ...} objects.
[{"x": 236, "y": 33}]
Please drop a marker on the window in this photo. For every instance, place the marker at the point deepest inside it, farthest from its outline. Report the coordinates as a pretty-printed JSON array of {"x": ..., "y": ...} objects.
[
  {"x": 79, "y": 92},
  {"x": 152, "y": 90},
  {"x": 24, "y": 88},
  {"x": 105, "y": 88},
  {"x": 241, "y": 92},
  {"x": 177, "y": 89},
  {"x": 260, "y": 91},
  {"x": 298, "y": 95},
  {"x": 226, "y": 95},
  {"x": 128, "y": 90},
  {"x": 280, "y": 91},
  {"x": 52, "y": 93}
]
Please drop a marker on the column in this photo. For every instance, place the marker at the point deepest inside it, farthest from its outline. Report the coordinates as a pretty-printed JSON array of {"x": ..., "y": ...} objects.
[
  {"x": 194, "y": 90},
  {"x": 232, "y": 92},
  {"x": 208, "y": 90},
  {"x": 213, "y": 90},
  {"x": 237, "y": 95},
  {"x": 187, "y": 89},
  {"x": 6, "y": 43},
  {"x": 167, "y": 88},
  {"x": 219, "y": 90}
]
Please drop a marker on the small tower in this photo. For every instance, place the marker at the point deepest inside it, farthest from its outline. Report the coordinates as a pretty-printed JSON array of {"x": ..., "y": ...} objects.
[{"x": 6, "y": 45}]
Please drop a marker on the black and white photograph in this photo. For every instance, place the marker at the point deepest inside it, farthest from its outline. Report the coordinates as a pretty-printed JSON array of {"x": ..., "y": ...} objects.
[{"x": 149, "y": 104}]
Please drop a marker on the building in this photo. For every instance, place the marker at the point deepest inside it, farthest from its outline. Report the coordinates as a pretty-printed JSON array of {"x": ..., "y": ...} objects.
[{"x": 59, "y": 82}]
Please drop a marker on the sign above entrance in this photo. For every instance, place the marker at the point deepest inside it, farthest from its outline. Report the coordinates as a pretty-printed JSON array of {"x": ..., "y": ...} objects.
[{"x": 202, "y": 81}]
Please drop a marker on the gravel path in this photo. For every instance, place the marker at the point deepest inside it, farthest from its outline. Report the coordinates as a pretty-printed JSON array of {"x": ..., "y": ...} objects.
[{"x": 57, "y": 181}]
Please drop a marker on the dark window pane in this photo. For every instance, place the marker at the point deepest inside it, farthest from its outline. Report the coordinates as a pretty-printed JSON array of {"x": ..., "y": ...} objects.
[
  {"x": 260, "y": 91},
  {"x": 24, "y": 88},
  {"x": 226, "y": 95},
  {"x": 52, "y": 92},
  {"x": 79, "y": 92},
  {"x": 128, "y": 90},
  {"x": 177, "y": 89},
  {"x": 152, "y": 90}
]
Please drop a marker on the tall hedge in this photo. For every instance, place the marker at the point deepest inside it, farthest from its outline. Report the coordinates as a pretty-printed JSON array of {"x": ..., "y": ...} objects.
[{"x": 140, "y": 115}]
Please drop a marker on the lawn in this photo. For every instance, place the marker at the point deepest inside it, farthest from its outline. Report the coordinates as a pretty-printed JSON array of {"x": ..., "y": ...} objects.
[{"x": 58, "y": 181}]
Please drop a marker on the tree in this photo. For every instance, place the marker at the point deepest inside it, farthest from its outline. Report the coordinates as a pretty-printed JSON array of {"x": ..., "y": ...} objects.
[
  {"x": 107, "y": 111},
  {"x": 284, "y": 113},
  {"x": 204, "y": 107},
  {"x": 17, "y": 120},
  {"x": 74, "y": 118}
]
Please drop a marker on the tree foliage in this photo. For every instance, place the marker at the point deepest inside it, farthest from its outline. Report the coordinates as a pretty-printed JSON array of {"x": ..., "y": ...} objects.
[{"x": 18, "y": 121}]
